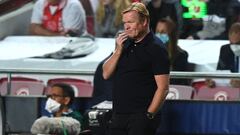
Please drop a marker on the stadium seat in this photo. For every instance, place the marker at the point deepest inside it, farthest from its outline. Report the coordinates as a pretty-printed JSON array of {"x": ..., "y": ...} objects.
[
  {"x": 219, "y": 93},
  {"x": 22, "y": 86},
  {"x": 198, "y": 84},
  {"x": 82, "y": 88},
  {"x": 180, "y": 92}
]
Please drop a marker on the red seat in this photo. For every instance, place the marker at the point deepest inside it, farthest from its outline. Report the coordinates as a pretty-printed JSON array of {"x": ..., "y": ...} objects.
[
  {"x": 180, "y": 92},
  {"x": 22, "y": 86},
  {"x": 219, "y": 93},
  {"x": 82, "y": 88},
  {"x": 198, "y": 84}
]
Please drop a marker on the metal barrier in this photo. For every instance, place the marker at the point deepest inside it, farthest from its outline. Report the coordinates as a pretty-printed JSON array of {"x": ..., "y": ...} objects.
[
  {"x": 185, "y": 75},
  {"x": 91, "y": 72}
]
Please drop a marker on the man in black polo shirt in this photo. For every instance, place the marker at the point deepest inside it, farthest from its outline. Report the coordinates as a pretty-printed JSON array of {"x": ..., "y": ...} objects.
[{"x": 140, "y": 69}]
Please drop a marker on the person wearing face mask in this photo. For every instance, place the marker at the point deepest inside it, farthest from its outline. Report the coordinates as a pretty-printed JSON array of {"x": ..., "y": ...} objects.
[
  {"x": 60, "y": 99},
  {"x": 229, "y": 55},
  {"x": 166, "y": 31},
  {"x": 58, "y": 104}
]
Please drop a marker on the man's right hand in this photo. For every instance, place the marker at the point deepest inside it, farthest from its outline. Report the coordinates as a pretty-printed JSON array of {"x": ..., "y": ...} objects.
[{"x": 120, "y": 41}]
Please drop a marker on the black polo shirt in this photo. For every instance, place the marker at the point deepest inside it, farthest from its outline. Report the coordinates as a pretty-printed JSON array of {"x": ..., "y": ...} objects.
[{"x": 134, "y": 83}]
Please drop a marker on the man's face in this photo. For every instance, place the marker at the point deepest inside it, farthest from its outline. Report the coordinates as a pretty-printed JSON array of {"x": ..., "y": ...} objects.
[
  {"x": 56, "y": 93},
  {"x": 234, "y": 37},
  {"x": 132, "y": 25}
]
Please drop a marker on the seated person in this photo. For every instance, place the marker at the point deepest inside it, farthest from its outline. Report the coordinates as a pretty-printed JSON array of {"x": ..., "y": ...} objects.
[
  {"x": 58, "y": 18},
  {"x": 229, "y": 55},
  {"x": 63, "y": 117},
  {"x": 167, "y": 32}
]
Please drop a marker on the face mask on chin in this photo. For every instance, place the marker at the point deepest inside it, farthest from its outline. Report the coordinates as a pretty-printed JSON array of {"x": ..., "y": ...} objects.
[
  {"x": 52, "y": 106},
  {"x": 236, "y": 49},
  {"x": 163, "y": 37}
]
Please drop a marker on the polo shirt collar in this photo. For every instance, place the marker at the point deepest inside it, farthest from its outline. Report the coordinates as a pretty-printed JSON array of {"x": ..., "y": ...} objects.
[{"x": 147, "y": 38}]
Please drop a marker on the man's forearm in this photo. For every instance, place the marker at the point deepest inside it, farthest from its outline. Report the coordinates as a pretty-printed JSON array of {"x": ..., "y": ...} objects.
[
  {"x": 37, "y": 29},
  {"x": 110, "y": 65},
  {"x": 157, "y": 101},
  {"x": 160, "y": 93}
]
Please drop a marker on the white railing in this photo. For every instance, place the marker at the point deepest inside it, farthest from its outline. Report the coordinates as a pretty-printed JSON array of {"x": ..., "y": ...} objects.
[
  {"x": 173, "y": 74},
  {"x": 189, "y": 75}
]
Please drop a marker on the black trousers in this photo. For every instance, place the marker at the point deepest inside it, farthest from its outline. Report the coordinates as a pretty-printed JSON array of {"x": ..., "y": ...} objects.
[{"x": 133, "y": 124}]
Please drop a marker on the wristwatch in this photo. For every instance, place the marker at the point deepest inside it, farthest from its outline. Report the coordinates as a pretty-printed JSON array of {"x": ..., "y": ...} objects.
[{"x": 150, "y": 115}]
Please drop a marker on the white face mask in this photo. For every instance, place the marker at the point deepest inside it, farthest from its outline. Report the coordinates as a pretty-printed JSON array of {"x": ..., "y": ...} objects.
[
  {"x": 52, "y": 106},
  {"x": 236, "y": 49}
]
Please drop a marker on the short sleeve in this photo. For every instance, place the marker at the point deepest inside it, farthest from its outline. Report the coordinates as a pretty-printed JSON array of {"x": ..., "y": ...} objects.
[
  {"x": 74, "y": 18},
  {"x": 37, "y": 13},
  {"x": 160, "y": 60}
]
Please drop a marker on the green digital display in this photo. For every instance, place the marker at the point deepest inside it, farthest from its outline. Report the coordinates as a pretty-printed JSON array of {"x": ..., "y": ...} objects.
[{"x": 196, "y": 8}]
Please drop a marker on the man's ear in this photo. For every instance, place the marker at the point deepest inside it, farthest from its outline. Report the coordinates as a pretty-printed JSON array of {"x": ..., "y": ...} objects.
[
  {"x": 145, "y": 22},
  {"x": 67, "y": 100}
]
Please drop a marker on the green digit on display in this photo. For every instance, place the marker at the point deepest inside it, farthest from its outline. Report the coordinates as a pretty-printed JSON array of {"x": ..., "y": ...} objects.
[{"x": 196, "y": 8}]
